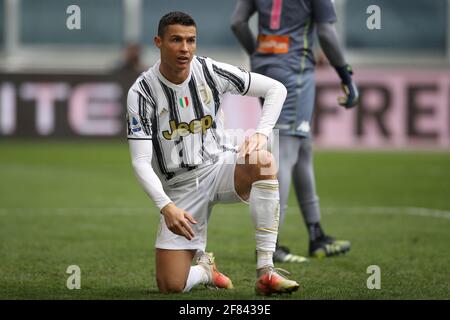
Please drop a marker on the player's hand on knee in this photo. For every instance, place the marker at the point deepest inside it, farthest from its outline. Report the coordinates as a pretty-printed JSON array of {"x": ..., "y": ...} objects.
[
  {"x": 178, "y": 221},
  {"x": 255, "y": 142},
  {"x": 348, "y": 86}
]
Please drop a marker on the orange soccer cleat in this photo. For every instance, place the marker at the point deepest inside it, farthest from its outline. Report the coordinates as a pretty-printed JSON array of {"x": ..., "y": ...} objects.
[
  {"x": 216, "y": 279},
  {"x": 270, "y": 281}
]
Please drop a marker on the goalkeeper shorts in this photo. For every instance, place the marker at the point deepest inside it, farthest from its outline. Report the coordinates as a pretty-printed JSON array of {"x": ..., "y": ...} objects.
[{"x": 296, "y": 115}]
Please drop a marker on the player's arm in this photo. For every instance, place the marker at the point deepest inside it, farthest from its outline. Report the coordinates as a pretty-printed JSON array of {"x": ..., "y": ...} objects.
[
  {"x": 274, "y": 94},
  {"x": 330, "y": 45},
  {"x": 234, "y": 80},
  {"x": 141, "y": 155},
  {"x": 243, "y": 10},
  {"x": 325, "y": 17},
  {"x": 331, "y": 48},
  {"x": 177, "y": 220}
]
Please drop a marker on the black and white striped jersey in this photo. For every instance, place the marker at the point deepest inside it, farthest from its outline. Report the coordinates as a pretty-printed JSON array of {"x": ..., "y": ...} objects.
[{"x": 185, "y": 121}]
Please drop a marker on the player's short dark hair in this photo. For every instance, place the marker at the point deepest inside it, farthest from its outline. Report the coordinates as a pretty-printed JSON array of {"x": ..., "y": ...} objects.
[{"x": 174, "y": 17}]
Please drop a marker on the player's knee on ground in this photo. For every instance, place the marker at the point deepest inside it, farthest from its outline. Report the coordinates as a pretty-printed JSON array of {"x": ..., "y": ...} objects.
[
  {"x": 169, "y": 286},
  {"x": 172, "y": 269}
]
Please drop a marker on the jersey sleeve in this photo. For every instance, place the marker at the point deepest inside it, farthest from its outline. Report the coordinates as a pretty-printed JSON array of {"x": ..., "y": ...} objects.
[
  {"x": 139, "y": 114},
  {"x": 229, "y": 78},
  {"x": 274, "y": 94},
  {"x": 323, "y": 11},
  {"x": 141, "y": 156}
]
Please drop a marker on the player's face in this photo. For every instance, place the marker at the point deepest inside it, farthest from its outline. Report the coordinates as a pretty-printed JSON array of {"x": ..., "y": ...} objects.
[{"x": 177, "y": 46}]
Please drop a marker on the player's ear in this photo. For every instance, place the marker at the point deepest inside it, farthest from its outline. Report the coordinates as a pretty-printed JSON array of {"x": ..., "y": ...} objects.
[{"x": 157, "y": 40}]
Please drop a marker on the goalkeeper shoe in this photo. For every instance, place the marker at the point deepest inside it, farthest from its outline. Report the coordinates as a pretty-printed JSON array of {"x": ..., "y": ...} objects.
[
  {"x": 327, "y": 247},
  {"x": 216, "y": 279},
  {"x": 271, "y": 281},
  {"x": 283, "y": 254}
]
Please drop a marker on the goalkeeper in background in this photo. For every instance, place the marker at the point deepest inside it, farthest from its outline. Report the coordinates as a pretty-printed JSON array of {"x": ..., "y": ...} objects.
[{"x": 283, "y": 51}]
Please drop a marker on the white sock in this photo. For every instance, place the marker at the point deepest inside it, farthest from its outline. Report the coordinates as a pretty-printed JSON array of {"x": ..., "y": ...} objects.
[
  {"x": 264, "y": 259},
  {"x": 265, "y": 210},
  {"x": 197, "y": 275}
]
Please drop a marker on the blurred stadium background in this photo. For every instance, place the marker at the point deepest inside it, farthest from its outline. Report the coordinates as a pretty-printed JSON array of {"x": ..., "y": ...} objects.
[{"x": 68, "y": 194}]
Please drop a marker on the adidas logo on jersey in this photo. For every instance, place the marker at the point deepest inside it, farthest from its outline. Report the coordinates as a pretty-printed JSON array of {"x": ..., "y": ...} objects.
[
  {"x": 183, "y": 129},
  {"x": 163, "y": 112}
]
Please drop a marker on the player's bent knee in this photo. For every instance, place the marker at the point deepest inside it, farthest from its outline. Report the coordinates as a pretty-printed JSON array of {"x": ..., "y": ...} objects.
[
  {"x": 259, "y": 165},
  {"x": 265, "y": 158},
  {"x": 166, "y": 286},
  {"x": 265, "y": 164}
]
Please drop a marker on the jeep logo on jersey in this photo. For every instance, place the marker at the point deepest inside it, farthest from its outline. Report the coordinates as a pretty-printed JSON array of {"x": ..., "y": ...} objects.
[{"x": 183, "y": 129}]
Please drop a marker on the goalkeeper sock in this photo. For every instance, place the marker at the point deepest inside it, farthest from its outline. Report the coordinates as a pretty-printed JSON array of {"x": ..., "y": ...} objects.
[
  {"x": 305, "y": 184},
  {"x": 265, "y": 211},
  {"x": 197, "y": 275},
  {"x": 315, "y": 231}
]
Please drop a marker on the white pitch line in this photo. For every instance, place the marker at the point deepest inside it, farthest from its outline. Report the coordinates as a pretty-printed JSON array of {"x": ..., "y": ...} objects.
[
  {"x": 63, "y": 211},
  {"x": 411, "y": 211}
]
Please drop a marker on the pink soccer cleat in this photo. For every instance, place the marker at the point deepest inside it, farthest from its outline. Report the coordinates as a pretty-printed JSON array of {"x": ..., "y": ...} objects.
[
  {"x": 270, "y": 281},
  {"x": 216, "y": 279}
]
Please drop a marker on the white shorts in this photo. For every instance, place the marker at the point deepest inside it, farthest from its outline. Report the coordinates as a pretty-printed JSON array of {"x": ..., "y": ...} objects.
[{"x": 197, "y": 195}]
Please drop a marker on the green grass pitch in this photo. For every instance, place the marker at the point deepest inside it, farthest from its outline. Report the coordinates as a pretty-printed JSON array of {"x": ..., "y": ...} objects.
[{"x": 79, "y": 204}]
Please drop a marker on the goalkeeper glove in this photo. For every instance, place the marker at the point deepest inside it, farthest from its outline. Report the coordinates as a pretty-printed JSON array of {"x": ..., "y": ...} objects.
[{"x": 348, "y": 86}]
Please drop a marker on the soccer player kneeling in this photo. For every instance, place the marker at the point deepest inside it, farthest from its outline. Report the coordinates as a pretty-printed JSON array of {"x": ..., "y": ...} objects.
[{"x": 182, "y": 159}]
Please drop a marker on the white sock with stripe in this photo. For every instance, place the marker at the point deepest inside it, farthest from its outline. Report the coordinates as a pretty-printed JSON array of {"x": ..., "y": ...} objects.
[{"x": 265, "y": 211}]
